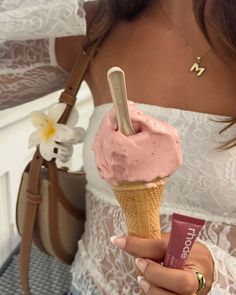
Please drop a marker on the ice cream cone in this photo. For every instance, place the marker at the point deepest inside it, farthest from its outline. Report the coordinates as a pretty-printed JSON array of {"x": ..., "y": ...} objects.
[{"x": 141, "y": 205}]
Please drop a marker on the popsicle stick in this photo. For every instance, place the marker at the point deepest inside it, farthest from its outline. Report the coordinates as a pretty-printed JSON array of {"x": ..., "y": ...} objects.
[{"x": 116, "y": 80}]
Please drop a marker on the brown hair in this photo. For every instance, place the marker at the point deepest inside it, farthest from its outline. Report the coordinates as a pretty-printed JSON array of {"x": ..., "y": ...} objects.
[
  {"x": 110, "y": 11},
  {"x": 221, "y": 18}
]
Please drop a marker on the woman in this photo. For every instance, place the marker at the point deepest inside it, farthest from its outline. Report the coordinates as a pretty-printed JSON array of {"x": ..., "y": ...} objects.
[{"x": 157, "y": 44}]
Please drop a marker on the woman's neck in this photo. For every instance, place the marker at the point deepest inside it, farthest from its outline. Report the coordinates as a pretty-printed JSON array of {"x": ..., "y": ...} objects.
[
  {"x": 178, "y": 16},
  {"x": 180, "y": 12},
  {"x": 176, "y": 7}
]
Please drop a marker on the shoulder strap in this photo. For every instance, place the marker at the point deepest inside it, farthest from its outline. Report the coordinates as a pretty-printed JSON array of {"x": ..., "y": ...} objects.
[
  {"x": 68, "y": 96},
  {"x": 33, "y": 198}
]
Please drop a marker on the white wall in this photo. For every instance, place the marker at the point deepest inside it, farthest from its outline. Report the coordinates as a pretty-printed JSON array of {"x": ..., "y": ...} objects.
[{"x": 15, "y": 128}]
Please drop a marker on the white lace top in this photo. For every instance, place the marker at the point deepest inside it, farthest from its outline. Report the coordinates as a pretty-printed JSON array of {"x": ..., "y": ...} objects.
[
  {"x": 28, "y": 67},
  {"x": 205, "y": 187},
  {"x": 40, "y": 19},
  {"x": 28, "y": 70}
]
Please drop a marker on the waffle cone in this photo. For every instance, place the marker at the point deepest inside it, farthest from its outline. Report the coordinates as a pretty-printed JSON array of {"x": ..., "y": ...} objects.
[{"x": 141, "y": 206}]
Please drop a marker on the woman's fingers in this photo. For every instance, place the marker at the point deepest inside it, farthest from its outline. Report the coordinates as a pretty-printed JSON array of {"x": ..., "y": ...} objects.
[
  {"x": 146, "y": 248},
  {"x": 160, "y": 279},
  {"x": 182, "y": 281},
  {"x": 151, "y": 289}
]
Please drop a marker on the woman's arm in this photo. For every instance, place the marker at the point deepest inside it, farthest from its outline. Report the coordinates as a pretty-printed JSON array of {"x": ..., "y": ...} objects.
[
  {"x": 27, "y": 20},
  {"x": 68, "y": 48},
  {"x": 30, "y": 69},
  {"x": 34, "y": 68}
]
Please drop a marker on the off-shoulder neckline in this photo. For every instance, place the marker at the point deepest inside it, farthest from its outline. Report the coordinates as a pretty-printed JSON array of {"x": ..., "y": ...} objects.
[{"x": 146, "y": 107}]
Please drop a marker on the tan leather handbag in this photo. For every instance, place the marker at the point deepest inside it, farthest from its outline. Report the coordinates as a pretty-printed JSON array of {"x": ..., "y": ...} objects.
[{"x": 51, "y": 202}]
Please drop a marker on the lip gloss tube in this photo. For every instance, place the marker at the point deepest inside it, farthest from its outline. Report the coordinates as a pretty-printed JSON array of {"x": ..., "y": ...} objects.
[{"x": 184, "y": 232}]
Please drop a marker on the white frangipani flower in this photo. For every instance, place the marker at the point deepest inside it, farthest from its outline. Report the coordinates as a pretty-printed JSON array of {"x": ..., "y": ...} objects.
[{"x": 55, "y": 139}]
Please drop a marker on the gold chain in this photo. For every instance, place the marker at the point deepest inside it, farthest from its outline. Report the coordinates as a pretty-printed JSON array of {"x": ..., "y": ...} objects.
[{"x": 196, "y": 67}]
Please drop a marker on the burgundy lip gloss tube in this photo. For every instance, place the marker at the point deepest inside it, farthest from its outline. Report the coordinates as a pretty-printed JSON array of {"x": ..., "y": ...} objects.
[{"x": 184, "y": 232}]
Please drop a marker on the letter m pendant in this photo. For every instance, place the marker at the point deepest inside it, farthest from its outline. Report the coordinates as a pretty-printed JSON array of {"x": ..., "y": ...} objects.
[{"x": 196, "y": 67}]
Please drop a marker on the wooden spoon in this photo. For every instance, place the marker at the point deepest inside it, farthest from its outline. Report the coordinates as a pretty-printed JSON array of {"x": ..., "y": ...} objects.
[{"x": 116, "y": 80}]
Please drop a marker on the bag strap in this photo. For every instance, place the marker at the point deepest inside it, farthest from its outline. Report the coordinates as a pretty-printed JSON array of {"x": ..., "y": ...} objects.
[
  {"x": 33, "y": 198},
  {"x": 68, "y": 96}
]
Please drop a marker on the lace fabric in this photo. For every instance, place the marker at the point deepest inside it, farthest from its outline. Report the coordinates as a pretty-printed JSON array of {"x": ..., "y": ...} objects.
[
  {"x": 28, "y": 70},
  {"x": 41, "y": 19},
  {"x": 205, "y": 186},
  {"x": 28, "y": 67},
  {"x": 104, "y": 265}
]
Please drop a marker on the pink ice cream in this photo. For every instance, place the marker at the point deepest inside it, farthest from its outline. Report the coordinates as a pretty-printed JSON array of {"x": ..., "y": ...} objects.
[{"x": 153, "y": 151}]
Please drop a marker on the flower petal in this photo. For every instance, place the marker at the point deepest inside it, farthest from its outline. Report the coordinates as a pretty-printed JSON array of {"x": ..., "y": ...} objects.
[
  {"x": 46, "y": 149},
  {"x": 64, "y": 133},
  {"x": 74, "y": 118},
  {"x": 34, "y": 139},
  {"x": 55, "y": 112},
  {"x": 39, "y": 119}
]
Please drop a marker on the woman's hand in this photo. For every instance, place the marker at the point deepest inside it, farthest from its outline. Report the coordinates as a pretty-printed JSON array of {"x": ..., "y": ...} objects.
[{"x": 160, "y": 280}]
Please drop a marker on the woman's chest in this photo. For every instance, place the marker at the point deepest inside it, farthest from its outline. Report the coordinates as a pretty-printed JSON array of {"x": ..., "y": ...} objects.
[
  {"x": 157, "y": 68},
  {"x": 205, "y": 183}
]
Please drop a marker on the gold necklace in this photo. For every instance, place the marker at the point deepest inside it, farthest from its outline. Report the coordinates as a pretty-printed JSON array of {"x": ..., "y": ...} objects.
[{"x": 197, "y": 66}]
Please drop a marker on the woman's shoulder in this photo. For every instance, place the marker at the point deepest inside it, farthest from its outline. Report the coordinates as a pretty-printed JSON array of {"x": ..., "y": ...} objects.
[{"x": 68, "y": 48}]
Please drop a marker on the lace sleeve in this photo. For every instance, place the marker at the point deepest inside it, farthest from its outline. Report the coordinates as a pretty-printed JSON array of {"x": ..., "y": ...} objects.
[
  {"x": 41, "y": 19},
  {"x": 28, "y": 70},
  {"x": 28, "y": 67},
  {"x": 225, "y": 270}
]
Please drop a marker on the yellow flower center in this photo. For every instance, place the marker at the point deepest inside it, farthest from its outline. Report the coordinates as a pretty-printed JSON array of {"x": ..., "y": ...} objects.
[{"x": 48, "y": 131}]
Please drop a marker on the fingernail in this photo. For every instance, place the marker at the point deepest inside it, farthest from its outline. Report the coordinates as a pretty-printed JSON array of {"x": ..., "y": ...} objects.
[
  {"x": 144, "y": 284},
  {"x": 118, "y": 241},
  {"x": 141, "y": 264}
]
